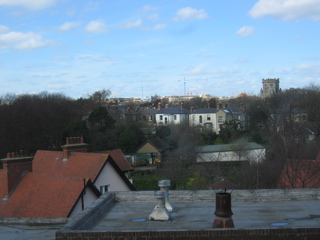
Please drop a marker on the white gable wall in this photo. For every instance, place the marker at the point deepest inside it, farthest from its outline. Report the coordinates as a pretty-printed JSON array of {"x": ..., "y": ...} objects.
[
  {"x": 194, "y": 119},
  {"x": 109, "y": 176},
  {"x": 88, "y": 198}
]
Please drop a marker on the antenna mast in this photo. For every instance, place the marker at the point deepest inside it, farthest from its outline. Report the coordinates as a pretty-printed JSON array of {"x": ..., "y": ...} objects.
[{"x": 184, "y": 84}]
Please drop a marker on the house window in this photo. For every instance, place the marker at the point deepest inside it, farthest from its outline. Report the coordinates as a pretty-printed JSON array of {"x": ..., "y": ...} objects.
[
  {"x": 200, "y": 119},
  {"x": 161, "y": 117},
  {"x": 165, "y": 121},
  {"x": 150, "y": 118},
  {"x": 208, "y": 118},
  {"x": 220, "y": 119},
  {"x": 104, "y": 189},
  {"x": 175, "y": 117}
]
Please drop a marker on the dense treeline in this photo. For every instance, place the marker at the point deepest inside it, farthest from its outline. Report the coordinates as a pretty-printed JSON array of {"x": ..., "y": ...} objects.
[
  {"x": 32, "y": 122},
  {"x": 42, "y": 121}
]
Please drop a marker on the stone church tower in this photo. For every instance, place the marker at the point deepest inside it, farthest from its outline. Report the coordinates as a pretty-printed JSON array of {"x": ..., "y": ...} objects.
[{"x": 270, "y": 86}]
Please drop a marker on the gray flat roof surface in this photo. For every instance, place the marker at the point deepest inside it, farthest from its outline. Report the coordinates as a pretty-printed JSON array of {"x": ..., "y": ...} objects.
[
  {"x": 200, "y": 216},
  {"x": 25, "y": 232}
]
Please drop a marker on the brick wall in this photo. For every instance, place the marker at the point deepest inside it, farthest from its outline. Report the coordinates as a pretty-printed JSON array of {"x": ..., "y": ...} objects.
[{"x": 240, "y": 234}]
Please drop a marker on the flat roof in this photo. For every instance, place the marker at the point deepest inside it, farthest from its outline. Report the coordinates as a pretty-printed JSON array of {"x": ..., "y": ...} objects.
[
  {"x": 252, "y": 209},
  {"x": 200, "y": 216}
]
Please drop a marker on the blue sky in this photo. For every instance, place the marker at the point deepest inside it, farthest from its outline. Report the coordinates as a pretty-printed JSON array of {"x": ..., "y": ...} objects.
[{"x": 139, "y": 48}]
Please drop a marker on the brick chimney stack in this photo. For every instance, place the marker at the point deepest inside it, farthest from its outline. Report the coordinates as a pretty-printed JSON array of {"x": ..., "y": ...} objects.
[
  {"x": 13, "y": 168},
  {"x": 73, "y": 144},
  {"x": 159, "y": 106}
]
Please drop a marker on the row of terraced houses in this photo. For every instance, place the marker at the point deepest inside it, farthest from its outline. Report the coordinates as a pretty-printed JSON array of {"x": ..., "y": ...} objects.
[{"x": 211, "y": 119}]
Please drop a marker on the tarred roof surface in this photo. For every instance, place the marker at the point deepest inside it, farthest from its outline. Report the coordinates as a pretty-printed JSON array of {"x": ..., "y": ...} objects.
[
  {"x": 119, "y": 158},
  {"x": 42, "y": 196},
  {"x": 78, "y": 166}
]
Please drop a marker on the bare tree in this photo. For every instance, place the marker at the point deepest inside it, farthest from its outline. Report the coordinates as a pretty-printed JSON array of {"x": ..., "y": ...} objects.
[{"x": 300, "y": 173}]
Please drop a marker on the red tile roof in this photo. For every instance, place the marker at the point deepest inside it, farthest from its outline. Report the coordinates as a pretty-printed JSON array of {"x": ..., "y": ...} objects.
[
  {"x": 78, "y": 166},
  {"x": 119, "y": 158},
  {"x": 42, "y": 197},
  {"x": 300, "y": 173},
  {"x": 54, "y": 185}
]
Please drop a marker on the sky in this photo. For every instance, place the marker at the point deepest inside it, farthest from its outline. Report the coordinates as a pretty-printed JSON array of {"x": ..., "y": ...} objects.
[{"x": 139, "y": 48}]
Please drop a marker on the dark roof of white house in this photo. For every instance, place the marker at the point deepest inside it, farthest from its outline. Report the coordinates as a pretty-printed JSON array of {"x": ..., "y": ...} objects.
[{"x": 172, "y": 111}]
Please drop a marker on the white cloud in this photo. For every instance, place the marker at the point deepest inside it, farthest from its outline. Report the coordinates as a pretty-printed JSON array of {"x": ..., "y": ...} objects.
[
  {"x": 287, "y": 9},
  {"x": 132, "y": 24},
  {"x": 148, "y": 8},
  {"x": 195, "y": 71},
  {"x": 29, "y": 4},
  {"x": 157, "y": 27},
  {"x": 97, "y": 26},
  {"x": 22, "y": 41},
  {"x": 68, "y": 26},
  {"x": 160, "y": 26},
  {"x": 153, "y": 17},
  {"x": 189, "y": 13},
  {"x": 245, "y": 31},
  {"x": 96, "y": 58},
  {"x": 3, "y": 29}
]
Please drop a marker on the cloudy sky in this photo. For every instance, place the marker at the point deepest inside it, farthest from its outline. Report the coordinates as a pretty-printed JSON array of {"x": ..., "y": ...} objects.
[{"x": 139, "y": 48}]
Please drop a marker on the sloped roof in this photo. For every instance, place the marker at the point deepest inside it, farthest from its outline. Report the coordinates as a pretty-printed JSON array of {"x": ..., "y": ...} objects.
[
  {"x": 205, "y": 110},
  {"x": 172, "y": 111},
  {"x": 215, "y": 110},
  {"x": 149, "y": 110},
  {"x": 158, "y": 144},
  {"x": 227, "y": 147},
  {"x": 119, "y": 158},
  {"x": 78, "y": 166},
  {"x": 39, "y": 196}
]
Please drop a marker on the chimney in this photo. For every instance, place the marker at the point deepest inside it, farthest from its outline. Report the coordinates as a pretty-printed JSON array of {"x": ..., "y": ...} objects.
[
  {"x": 128, "y": 110},
  {"x": 164, "y": 186},
  {"x": 13, "y": 168},
  {"x": 191, "y": 109},
  {"x": 73, "y": 144},
  {"x": 223, "y": 210},
  {"x": 167, "y": 105},
  {"x": 159, "y": 106},
  {"x": 209, "y": 105},
  {"x": 225, "y": 105},
  {"x": 160, "y": 213},
  {"x": 219, "y": 106}
]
